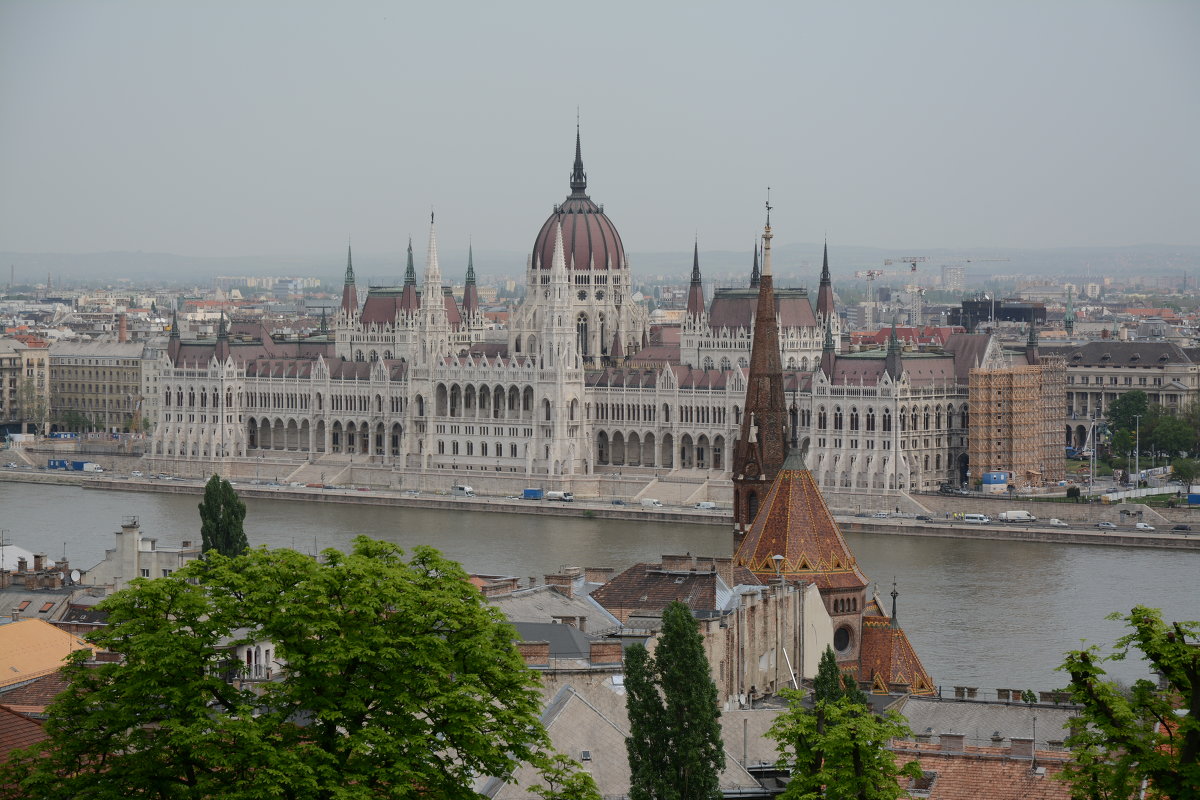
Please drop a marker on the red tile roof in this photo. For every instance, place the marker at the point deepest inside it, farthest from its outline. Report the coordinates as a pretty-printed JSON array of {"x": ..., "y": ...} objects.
[
  {"x": 983, "y": 774},
  {"x": 888, "y": 661},
  {"x": 17, "y": 731}
]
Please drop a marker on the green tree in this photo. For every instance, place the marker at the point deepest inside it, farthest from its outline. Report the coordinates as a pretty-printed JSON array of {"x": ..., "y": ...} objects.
[
  {"x": 563, "y": 778},
  {"x": 674, "y": 746},
  {"x": 1133, "y": 737},
  {"x": 222, "y": 513},
  {"x": 392, "y": 678},
  {"x": 1185, "y": 470},
  {"x": 1121, "y": 412},
  {"x": 837, "y": 750},
  {"x": 1173, "y": 436}
]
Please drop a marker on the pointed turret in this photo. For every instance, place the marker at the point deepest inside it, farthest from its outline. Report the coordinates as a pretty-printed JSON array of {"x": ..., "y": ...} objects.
[
  {"x": 754, "y": 276},
  {"x": 895, "y": 616},
  {"x": 349, "y": 293},
  {"x": 470, "y": 301},
  {"x": 578, "y": 176},
  {"x": 892, "y": 361},
  {"x": 828, "y": 352},
  {"x": 825, "y": 308},
  {"x": 1032, "y": 355},
  {"x": 695, "y": 304},
  {"x": 324, "y": 329},
  {"x": 1069, "y": 319},
  {"x": 409, "y": 298},
  {"x": 431, "y": 297},
  {"x": 761, "y": 450},
  {"x": 175, "y": 324}
]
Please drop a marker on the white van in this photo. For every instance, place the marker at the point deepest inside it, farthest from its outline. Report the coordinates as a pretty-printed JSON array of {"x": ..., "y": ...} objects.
[
  {"x": 705, "y": 505},
  {"x": 562, "y": 497},
  {"x": 976, "y": 519},
  {"x": 650, "y": 502},
  {"x": 462, "y": 490}
]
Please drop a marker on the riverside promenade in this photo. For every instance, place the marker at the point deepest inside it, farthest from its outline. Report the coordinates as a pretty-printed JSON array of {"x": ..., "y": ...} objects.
[{"x": 904, "y": 524}]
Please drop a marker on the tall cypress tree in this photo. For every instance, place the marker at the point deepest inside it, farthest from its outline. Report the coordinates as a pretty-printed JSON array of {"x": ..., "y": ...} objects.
[
  {"x": 221, "y": 515},
  {"x": 674, "y": 745}
]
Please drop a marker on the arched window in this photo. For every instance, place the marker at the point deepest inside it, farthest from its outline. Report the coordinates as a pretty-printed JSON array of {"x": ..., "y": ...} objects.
[
  {"x": 822, "y": 422},
  {"x": 870, "y": 419},
  {"x": 837, "y": 418},
  {"x": 887, "y": 420},
  {"x": 853, "y": 418}
]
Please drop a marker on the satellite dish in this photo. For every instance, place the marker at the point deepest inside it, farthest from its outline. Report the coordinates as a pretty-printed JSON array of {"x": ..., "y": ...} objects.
[
  {"x": 61, "y": 576},
  {"x": 75, "y": 576}
]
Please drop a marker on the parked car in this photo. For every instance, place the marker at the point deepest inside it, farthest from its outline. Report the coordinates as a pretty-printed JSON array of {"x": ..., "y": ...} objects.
[
  {"x": 1106, "y": 526},
  {"x": 1182, "y": 528},
  {"x": 924, "y": 518},
  {"x": 10, "y": 465},
  {"x": 137, "y": 473},
  {"x": 1143, "y": 526},
  {"x": 881, "y": 515},
  {"x": 618, "y": 502},
  {"x": 1056, "y": 523}
]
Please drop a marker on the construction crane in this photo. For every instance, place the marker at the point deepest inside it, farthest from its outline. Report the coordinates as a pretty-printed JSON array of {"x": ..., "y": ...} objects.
[{"x": 912, "y": 261}]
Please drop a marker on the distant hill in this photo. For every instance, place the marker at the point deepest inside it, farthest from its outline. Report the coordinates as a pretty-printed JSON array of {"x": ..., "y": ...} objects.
[{"x": 793, "y": 263}]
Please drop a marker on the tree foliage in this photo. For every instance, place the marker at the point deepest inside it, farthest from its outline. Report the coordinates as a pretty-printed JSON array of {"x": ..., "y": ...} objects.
[
  {"x": 563, "y": 778},
  {"x": 674, "y": 745},
  {"x": 222, "y": 513},
  {"x": 837, "y": 750},
  {"x": 1122, "y": 411},
  {"x": 1128, "y": 738},
  {"x": 393, "y": 678}
]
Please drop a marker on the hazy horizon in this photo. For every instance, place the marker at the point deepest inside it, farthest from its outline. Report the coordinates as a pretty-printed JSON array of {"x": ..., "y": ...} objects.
[{"x": 283, "y": 129}]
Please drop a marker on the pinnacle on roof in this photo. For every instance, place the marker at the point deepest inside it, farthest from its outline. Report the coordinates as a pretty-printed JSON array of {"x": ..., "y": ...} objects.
[
  {"x": 695, "y": 304},
  {"x": 578, "y": 176},
  {"x": 222, "y": 331},
  {"x": 895, "y": 594},
  {"x": 470, "y": 265},
  {"x": 410, "y": 272},
  {"x": 349, "y": 267},
  {"x": 696, "y": 261},
  {"x": 175, "y": 323},
  {"x": 825, "y": 279},
  {"x": 754, "y": 275}
]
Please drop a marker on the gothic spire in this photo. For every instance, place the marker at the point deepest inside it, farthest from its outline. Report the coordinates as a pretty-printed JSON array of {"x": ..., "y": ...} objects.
[
  {"x": 892, "y": 361},
  {"x": 410, "y": 271},
  {"x": 578, "y": 176},
  {"x": 695, "y": 304},
  {"x": 175, "y": 323},
  {"x": 349, "y": 293},
  {"x": 324, "y": 323},
  {"x": 470, "y": 301},
  {"x": 825, "y": 309},
  {"x": 754, "y": 276}
]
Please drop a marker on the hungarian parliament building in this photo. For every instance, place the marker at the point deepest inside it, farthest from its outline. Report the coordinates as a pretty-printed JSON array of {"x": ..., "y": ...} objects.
[{"x": 578, "y": 384}]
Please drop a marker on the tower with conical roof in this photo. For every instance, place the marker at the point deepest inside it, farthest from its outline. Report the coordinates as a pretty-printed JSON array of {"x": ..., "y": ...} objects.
[
  {"x": 695, "y": 303},
  {"x": 795, "y": 538},
  {"x": 762, "y": 447},
  {"x": 755, "y": 276},
  {"x": 826, "y": 313},
  {"x": 435, "y": 325},
  {"x": 470, "y": 301},
  {"x": 349, "y": 292},
  {"x": 410, "y": 300}
]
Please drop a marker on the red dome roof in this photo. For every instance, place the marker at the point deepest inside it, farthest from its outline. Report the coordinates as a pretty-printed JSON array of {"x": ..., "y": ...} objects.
[{"x": 589, "y": 237}]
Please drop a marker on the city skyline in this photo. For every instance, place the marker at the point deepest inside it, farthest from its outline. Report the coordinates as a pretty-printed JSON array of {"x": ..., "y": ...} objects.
[{"x": 271, "y": 128}]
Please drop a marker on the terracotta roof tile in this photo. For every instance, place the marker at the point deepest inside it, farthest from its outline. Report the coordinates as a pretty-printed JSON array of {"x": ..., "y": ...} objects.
[{"x": 17, "y": 731}]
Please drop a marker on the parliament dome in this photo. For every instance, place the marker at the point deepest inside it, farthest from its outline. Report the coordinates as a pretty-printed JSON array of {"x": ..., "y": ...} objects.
[{"x": 590, "y": 240}]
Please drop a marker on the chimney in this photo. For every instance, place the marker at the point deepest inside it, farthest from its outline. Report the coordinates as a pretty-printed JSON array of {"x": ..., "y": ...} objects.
[
  {"x": 951, "y": 742},
  {"x": 536, "y": 654},
  {"x": 605, "y": 651},
  {"x": 598, "y": 574},
  {"x": 565, "y": 584},
  {"x": 22, "y": 566},
  {"x": 678, "y": 563},
  {"x": 725, "y": 569},
  {"x": 122, "y": 329},
  {"x": 39, "y": 562},
  {"x": 1021, "y": 747}
]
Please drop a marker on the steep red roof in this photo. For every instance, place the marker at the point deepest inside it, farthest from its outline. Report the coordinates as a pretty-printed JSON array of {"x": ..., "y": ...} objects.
[
  {"x": 888, "y": 661},
  {"x": 17, "y": 731},
  {"x": 794, "y": 522}
]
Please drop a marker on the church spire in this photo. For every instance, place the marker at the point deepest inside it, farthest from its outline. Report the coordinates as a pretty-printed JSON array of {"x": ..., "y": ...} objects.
[
  {"x": 410, "y": 271},
  {"x": 759, "y": 453},
  {"x": 895, "y": 617},
  {"x": 349, "y": 293},
  {"x": 578, "y": 176},
  {"x": 825, "y": 308},
  {"x": 470, "y": 302},
  {"x": 892, "y": 362},
  {"x": 754, "y": 276},
  {"x": 695, "y": 303}
]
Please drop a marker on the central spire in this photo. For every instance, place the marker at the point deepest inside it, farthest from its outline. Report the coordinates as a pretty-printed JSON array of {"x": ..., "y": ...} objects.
[{"x": 578, "y": 176}]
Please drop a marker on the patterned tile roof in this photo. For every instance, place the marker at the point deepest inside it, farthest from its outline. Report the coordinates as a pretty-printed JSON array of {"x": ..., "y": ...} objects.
[
  {"x": 33, "y": 697},
  {"x": 979, "y": 774},
  {"x": 888, "y": 661},
  {"x": 794, "y": 522}
]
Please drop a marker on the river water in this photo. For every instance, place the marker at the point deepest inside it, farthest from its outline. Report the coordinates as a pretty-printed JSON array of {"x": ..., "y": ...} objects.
[{"x": 989, "y": 614}]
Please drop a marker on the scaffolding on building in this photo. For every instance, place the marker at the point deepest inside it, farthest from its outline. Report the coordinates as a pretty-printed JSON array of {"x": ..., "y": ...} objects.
[{"x": 1016, "y": 422}]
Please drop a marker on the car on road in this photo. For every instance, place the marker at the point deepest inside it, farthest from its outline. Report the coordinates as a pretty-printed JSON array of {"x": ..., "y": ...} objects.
[
  {"x": 1106, "y": 526},
  {"x": 924, "y": 518},
  {"x": 1181, "y": 528},
  {"x": 618, "y": 502},
  {"x": 11, "y": 465},
  {"x": 1143, "y": 526},
  {"x": 881, "y": 515},
  {"x": 137, "y": 473},
  {"x": 1056, "y": 523}
]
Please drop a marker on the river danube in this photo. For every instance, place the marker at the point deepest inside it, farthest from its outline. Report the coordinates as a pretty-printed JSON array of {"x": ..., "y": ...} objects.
[{"x": 980, "y": 613}]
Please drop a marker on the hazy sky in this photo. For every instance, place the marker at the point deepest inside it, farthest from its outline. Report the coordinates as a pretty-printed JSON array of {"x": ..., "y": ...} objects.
[{"x": 255, "y": 128}]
